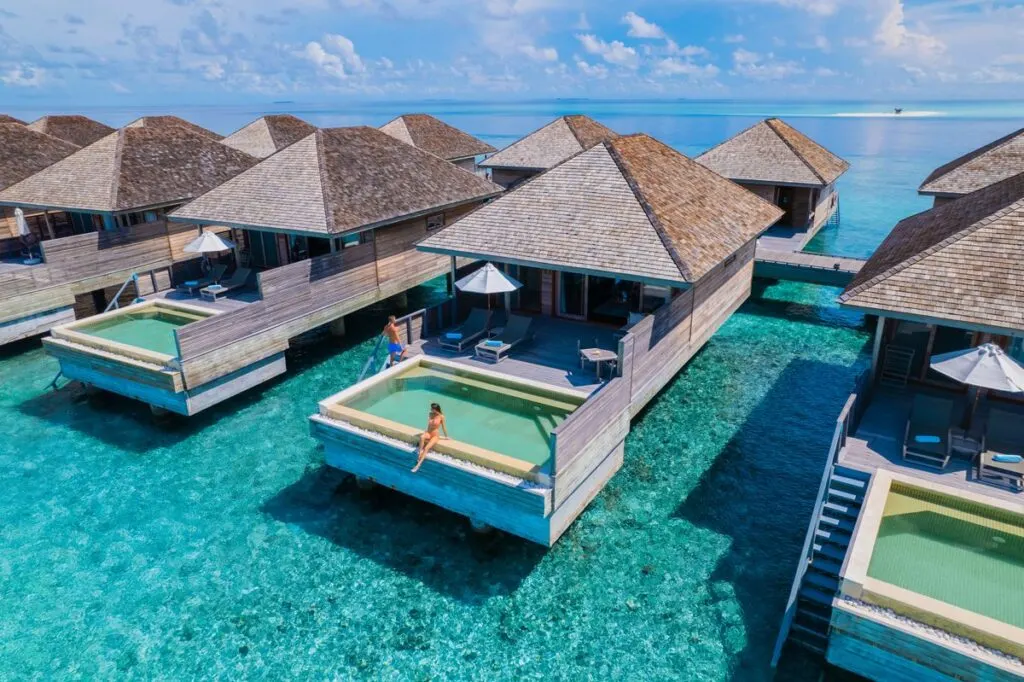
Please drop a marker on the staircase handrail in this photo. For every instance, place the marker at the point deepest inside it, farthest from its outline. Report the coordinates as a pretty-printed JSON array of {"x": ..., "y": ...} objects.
[
  {"x": 114, "y": 304},
  {"x": 839, "y": 436}
]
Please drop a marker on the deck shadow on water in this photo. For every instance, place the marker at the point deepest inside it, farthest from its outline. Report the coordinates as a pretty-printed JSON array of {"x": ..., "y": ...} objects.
[
  {"x": 426, "y": 543},
  {"x": 823, "y": 312},
  {"x": 757, "y": 493}
]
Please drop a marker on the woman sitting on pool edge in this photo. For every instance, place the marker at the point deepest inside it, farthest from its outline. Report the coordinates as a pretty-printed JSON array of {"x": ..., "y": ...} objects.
[{"x": 429, "y": 438}]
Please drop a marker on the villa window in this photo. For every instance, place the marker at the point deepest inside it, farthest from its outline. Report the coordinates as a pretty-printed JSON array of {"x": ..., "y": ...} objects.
[{"x": 435, "y": 222}]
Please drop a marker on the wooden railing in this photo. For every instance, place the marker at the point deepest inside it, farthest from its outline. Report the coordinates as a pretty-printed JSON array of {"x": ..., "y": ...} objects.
[
  {"x": 414, "y": 327},
  {"x": 845, "y": 423}
]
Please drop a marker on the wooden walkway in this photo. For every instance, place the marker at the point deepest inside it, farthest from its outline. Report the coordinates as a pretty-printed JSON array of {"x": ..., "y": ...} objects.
[
  {"x": 812, "y": 268},
  {"x": 878, "y": 444},
  {"x": 232, "y": 301},
  {"x": 551, "y": 358}
]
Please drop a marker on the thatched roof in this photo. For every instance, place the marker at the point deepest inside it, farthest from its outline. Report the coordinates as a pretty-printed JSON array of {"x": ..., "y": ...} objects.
[
  {"x": 989, "y": 164},
  {"x": 4, "y": 118},
  {"x": 773, "y": 152},
  {"x": 337, "y": 180},
  {"x": 155, "y": 121},
  {"x": 78, "y": 130},
  {"x": 130, "y": 169},
  {"x": 552, "y": 144},
  {"x": 269, "y": 134},
  {"x": 435, "y": 136},
  {"x": 962, "y": 262},
  {"x": 24, "y": 152},
  {"x": 630, "y": 207}
]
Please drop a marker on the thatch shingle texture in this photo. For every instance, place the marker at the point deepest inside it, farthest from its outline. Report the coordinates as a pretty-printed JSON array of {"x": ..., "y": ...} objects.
[
  {"x": 435, "y": 136},
  {"x": 24, "y": 152},
  {"x": 131, "y": 169},
  {"x": 630, "y": 207},
  {"x": 4, "y": 118},
  {"x": 268, "y": 135},
  {"x": 552, "y": 144},
  {"x": 962, "y": 261},
  {"x": 984, "y": 166},
  {"x": 78, "y": 130},
  {"x": 160, "y": 121},
  {"x": 773, "y": 152},
  {"x": 337, "y": 180}
]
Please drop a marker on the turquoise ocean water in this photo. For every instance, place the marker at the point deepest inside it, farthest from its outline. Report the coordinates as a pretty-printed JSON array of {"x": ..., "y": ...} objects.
[{"x": 222, "y": 547}]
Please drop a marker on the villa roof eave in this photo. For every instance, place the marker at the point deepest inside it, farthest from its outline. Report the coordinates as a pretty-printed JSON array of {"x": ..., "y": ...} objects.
[
  {"x": 545, "y": 265},
  {"x": 932, "y": 319},
  {"x": 779, "y": 183},
  {"x": 97, "y": 211},
  {"x": 326, "y": 234}
]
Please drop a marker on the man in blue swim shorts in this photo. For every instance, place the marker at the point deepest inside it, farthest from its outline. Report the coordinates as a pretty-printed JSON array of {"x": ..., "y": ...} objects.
[{"x": 396, "y": 351}]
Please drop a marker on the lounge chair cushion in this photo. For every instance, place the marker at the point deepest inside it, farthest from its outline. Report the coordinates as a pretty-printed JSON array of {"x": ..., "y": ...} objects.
[
  {"x": 494, "y": 343},
  {"x": 1007, "y": 459},
  {"x": 192, "y": 282},
  {"x": 454, "y": 336},
  {"x": 927, "y": 439}
]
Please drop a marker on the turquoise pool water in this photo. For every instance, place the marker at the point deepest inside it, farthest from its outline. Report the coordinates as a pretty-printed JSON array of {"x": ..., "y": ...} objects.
[
  {"x": 221, "y": 546},
  {"x": 504, "y": 421},
  {"x": 955, "y": 552},
  {"x": 150, "y": 330}
]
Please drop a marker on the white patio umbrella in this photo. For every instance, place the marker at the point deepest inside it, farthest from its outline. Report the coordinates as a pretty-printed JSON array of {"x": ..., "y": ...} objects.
[
  {"x": 987, "y": 366},
  {"x": 209, "y": 242},
  {"x": 19, "y": 219},
  {"x": 488, "y": 280}
]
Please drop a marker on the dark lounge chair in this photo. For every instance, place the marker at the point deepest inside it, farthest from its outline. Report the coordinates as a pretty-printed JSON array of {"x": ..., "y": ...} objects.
[
  {"x": 926, "y": 439},
  {"x": 518, "y": 329},
  {"x": 238, "y": 279},
  {"x": 465, "y": 335},
  {"x": 1004, "y": 437}
]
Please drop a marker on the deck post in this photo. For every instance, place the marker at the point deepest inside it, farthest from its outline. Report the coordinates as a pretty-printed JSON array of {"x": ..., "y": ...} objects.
[
  {"x": 49, "y": 225},
  {"x": 877, "y": 346},
  {"x": 337, "y": 327},
  {"x": 451, "y": 291},
  {"x": 334, "y": 245}
]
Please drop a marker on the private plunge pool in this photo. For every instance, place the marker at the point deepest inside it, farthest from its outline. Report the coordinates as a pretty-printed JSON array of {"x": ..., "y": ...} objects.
[
  {"x": 523, "y": 456},
  {"x": 493, "y": 421},
  {"x": 951, "y": 560},
  {"x": 144, "y": 331}
]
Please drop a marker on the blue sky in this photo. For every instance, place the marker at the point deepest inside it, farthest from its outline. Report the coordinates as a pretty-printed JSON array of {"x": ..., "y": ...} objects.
[{"x": 194, "y": 51}]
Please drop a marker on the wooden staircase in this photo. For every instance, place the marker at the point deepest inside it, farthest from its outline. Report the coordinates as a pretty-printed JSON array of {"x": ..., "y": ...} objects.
[{"x": 834, "y": 525}]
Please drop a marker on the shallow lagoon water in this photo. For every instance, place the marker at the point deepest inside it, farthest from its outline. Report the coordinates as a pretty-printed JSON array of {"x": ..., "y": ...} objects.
[{"x": 222, "y": 546}]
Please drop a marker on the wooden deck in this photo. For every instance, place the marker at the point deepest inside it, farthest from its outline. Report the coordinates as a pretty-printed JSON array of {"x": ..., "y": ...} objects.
[
  {"x": 878, "y": 444},
  {"x": 232, "y": 301},
  {"x": 551, "y": 358},
  {"x": 813, "y": 268}
]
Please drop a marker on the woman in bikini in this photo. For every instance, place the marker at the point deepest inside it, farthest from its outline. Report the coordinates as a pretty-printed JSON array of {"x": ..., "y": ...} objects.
[{"x": 428, "y": 439}]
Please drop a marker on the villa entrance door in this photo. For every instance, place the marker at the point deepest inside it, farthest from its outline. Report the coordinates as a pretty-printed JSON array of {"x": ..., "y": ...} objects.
[
  {"x": 784, "y": 201},
  {"x": 572, "y": 296}
]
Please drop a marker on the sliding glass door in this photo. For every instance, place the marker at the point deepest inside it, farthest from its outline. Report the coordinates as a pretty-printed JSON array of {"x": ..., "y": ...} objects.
[{"x": 572, "y": 295}]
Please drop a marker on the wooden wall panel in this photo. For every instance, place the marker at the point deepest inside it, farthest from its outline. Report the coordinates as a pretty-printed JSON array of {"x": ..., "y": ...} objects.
[
  {"x": 397, "y": 257},
  {"x": 766, "y": 192},
  {"x": 547, "y": 292},
  {"x": 141, "y": 247},
  {"x": 827, "y": 200}
]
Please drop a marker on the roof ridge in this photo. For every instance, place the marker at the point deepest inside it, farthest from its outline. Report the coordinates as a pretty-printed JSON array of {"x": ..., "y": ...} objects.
[
  {"x": 659, "y": 229},
  {"x": 115, "y": 187},
  {"x": 769, "y": 121},
  {"x": 931, "y": 250},
  {"x": 962, "y": 160},
  {"x": 318, "y": 146},
  {"x": 572, "y": 127},
  {"x": 270, "y": 131}
]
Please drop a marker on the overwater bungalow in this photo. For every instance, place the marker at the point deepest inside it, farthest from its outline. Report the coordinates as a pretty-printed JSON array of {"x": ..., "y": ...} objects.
[
  {"x": 545, "y": 148},
  {"x": 81, "y": 131},
  {"x": 914, "y": 556},
  {"x": 440, "y": 139},
  {"x": 162, "y": 121},
  {"x": 786, "y": 168},
  {"x": 106, "y": 206},
  {"x": 630, "y": 257},
  {"x": 975, "y": 170},
  {"x": 24, "y": 152},
  {"x": 268, "y": 135},
  {"x": 321, "y": 229}
]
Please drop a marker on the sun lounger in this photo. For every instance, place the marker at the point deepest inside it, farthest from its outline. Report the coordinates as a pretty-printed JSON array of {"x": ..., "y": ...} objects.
[
  {"x": 464, "y": 336},
  {"x": 927, "y": 438},
  {"x": 237, "y": 280},
  {"x": 213, "y": 277},
  {"x": 1004, "y": 440},
  {"x": 518, "y": 329}
]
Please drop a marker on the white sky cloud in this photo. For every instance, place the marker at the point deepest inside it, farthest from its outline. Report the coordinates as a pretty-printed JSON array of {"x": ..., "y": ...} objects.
[
  {"x": 763, "y": 67},
  {"x": 895, "y": 38},
  {"x": 641, "y": 28},
  {"x": 591, "y": 70},
  {"x": 615, "y": 52},
  {"x": 672, "y": 66},
  {"x": 540, "y": 54}
]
